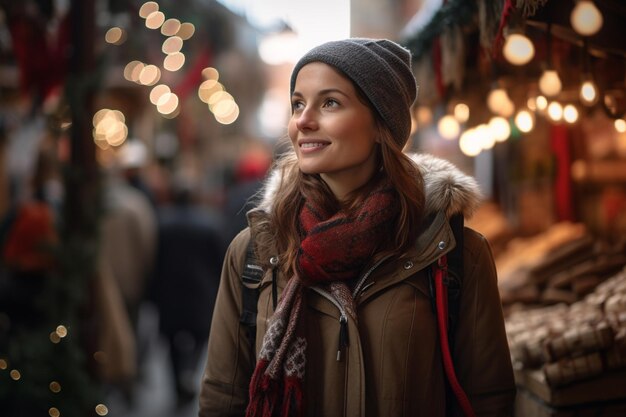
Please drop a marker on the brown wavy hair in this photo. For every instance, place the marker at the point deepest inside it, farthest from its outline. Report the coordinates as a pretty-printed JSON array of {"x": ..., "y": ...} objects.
[{"x": 295, "y": 187}]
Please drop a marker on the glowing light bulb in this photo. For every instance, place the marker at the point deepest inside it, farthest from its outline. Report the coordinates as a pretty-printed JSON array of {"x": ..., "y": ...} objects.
[
  {"x": 570, "y": 113},
  {"x": 586, "y": 19},
  {"x": 542, "y": 103},
  {"x": 448, "y": 127},
  {"x": 518, "y": 49},
  {"x": 496, "y": 99},
  {"x": 524, "y": 121},
  {"x": 469, "y": 143},
  {"x": 461, "y": 112},
  {"x": 500, "y": 128},
  {"x": 589, "y": 93},
  {"x": 555, "y": 111},
  {"x": 550, "y": 83}
]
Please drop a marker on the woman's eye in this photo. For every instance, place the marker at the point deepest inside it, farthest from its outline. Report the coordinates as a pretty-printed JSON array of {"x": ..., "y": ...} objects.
[
  {"x": 331, "y": 102},
  {"x": 296, "y": 105}
]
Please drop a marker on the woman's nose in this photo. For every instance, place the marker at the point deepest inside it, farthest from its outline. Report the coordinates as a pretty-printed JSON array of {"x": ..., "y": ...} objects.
[{"x": 307, "y": 119}]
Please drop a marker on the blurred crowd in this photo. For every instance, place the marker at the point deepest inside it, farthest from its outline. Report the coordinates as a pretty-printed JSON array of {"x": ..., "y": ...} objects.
[{"x": 160, "y": 247}]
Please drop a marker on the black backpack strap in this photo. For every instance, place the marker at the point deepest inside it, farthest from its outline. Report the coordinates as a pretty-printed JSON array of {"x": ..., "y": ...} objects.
[
  {"x": 250, "y": 278},
  {"x": 455, "y": 276}
]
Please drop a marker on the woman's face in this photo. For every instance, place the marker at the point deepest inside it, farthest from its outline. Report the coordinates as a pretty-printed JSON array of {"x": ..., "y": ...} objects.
[{"x": 332, "y": 130}]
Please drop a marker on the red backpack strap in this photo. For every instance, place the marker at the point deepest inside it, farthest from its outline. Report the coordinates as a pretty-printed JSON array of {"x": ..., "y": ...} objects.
[{"x": 441, "y": 301}]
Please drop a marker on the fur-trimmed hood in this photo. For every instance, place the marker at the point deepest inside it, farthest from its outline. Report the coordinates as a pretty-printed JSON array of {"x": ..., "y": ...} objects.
[{"x": 446, "y": 188}]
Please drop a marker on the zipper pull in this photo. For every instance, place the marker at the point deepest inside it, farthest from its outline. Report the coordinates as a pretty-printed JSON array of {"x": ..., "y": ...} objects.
[{"x": 343, "y": 335}]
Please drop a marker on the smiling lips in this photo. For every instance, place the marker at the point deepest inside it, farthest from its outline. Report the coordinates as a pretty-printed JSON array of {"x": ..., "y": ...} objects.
[{"x": 312, "y": 145}]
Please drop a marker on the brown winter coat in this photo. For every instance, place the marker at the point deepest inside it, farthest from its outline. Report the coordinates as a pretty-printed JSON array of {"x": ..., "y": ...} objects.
[{"x": 393, "y": 364}]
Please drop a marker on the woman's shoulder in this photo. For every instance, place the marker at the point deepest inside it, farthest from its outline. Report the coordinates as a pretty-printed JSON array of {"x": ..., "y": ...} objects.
[
  {"x": 474, "y": 242},
  {"x": 239, "y": 245}
]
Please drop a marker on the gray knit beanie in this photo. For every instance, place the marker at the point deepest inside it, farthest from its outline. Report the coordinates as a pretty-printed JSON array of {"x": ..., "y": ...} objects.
[{"x": 380, "y": 68}]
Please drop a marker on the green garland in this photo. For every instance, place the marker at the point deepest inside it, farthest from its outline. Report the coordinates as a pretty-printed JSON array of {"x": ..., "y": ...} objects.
[
  {"x": 42, "y": 373},
  {"x": 452, "y": 13},
  {"x": 46, "y": 371}
]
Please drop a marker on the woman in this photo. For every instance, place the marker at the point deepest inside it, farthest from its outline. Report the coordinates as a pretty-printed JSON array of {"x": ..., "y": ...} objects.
[{"x": 346, "y": 232}]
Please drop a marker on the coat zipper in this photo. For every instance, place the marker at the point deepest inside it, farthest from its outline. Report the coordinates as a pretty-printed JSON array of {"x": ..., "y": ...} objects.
[
  {"x": 343, "y": 318},
  {"x": 359, "y": 284}
]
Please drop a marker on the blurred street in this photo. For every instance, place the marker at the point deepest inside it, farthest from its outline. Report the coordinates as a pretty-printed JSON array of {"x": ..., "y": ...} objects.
[{"x": 154, "y": 395}]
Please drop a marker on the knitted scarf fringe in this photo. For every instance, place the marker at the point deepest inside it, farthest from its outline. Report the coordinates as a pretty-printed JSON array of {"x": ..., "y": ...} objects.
[{"x": 276, "y": 383}]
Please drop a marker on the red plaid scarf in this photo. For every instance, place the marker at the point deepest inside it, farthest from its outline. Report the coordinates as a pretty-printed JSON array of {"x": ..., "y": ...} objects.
[{"x": 334, "y": 249}]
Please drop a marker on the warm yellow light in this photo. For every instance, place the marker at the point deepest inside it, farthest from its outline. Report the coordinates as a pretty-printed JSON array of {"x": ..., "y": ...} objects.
[
  {"x": 149, "y": 75},
  {"x": 550, "y": 83},
  {"x": 115, "y": 36},
  {"x": 218, "y": 96},
  {"x": 469, "y": 143},
  {"x": 620, "y": 125},
  {"x": 448, "y": 127},
  {"x": 61, "y": 331},
  {"x": 210, "y": 73},
  {"x": 170, "y": 27},
  {"x": 147, "y": 8},
  {"x": 570, "y": 113},
  {"x": 208, "y": 88},
  {"x": 172, "y": 44},
  {"x": 542, "y": 103},
  {"x": 112, "y": 115},
  {"x": 174, "y": 62},
  {"x": 224, "y": 108},
  {"x": 15, "y": 375},
  {"x": 586, "y": 19},
  {"x": 555, "y": 111},
  {"x": 524, "y": 121},
  {"x": 132, "y": 70},
  {"x": 55, "y": 387},
  {"x": 102, "y": 410},
  {"x": 157, "y": 92},
  {"x": 229, "y": 118},
  {"x": 55, "y": 338},
  {"x": 500, "y": 128},
  {"x": 110, "y": 128},
  {"x": 589, "y": 93},
  {"x": 462, "y": 112},
  {"x": 485, "y": 136},
  {"x": 117, "y": 134},
  {"x": 186, "y": 31},
  {"x": 496, "y": 98},
  {"x": 54, "y": 412},
  {"x": 518, "y": 49},
  {"x": 155, "y": 20},
  {"x": 3, "y": 364},
  {"x": 168, "y": 103}
]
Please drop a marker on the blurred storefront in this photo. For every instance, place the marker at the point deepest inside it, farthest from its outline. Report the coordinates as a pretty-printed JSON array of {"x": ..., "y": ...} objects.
[
  {"x": 530, "y": 96},
  {"x": 186, "y": 91}
]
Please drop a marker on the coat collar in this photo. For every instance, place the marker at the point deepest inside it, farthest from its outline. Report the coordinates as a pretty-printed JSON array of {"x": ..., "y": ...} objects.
[{"x": 447, "y": 189}]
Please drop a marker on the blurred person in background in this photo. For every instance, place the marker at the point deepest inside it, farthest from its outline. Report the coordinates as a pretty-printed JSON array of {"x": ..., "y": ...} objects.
[
  {"x": 248, "y": 175},
  {"x": 127, "y": 249},
  {"x": 347, "y": 237},
  {"x": 186, "y": 277}
]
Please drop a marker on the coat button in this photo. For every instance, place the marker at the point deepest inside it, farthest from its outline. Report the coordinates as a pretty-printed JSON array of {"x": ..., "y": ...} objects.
[
  {"x": 274, "y": 260},
  {"x": 441, "y": 245},
  {"x": 408, "y": 265}
]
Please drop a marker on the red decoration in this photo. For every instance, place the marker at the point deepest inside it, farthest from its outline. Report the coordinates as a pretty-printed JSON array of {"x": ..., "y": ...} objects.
[
  {"x": 562, "y": 180},
  {"x": 40, "y": 55},
  {"x": 32, "y": 230},
  {"x": 504, "y": 19}
]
